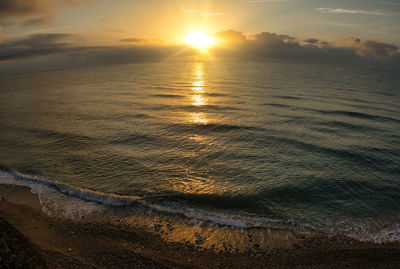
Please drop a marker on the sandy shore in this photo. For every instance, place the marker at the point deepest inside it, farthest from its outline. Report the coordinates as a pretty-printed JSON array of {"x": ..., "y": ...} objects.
[{"x": 47, "y": 242}]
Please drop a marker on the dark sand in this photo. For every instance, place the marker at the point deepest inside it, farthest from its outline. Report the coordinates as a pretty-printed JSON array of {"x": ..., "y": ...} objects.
[{"x": 29, "y": 238}]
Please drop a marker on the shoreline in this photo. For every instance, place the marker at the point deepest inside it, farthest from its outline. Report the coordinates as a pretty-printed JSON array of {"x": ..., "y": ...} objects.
[{"x": 64, "y": 243}]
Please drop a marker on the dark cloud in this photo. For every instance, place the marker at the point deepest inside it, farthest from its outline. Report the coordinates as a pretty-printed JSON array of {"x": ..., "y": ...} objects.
[
  {"x": 375, "y": 49},
  {"x": 316, "y": 42},
  {"x": 273, "y": 40},
  {"x": 88, "y": 57},
  {"x": 133, "y": 40},
  {"x": 41, "y": 9},
  {"x": 18, "y": 8},
  {"x": 312, "y": 41},
  {"x": 36, "y": 45},
  {"x": 58, "y": 51},
  {"x": 50, "y": 44},
  {"x": 272, "y": 46},
  {"x": 1, "y": 34}
]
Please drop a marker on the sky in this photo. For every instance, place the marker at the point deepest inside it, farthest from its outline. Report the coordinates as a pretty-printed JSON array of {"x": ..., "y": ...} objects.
[{"x": 155, "y": 29}]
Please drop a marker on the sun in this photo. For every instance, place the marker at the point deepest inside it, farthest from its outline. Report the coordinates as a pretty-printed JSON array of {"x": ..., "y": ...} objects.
[{"x": 199, "y": 40}]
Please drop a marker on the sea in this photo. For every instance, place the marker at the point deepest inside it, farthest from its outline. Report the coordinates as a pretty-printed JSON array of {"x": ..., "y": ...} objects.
[{"x": 243, "y": 145}]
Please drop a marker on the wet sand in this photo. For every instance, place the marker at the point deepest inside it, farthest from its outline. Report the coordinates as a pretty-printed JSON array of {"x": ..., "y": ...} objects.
[{"x": 63, "y": 243}]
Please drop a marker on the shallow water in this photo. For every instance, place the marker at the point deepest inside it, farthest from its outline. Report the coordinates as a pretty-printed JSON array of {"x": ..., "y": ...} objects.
[{"x": 242, "y": 144}]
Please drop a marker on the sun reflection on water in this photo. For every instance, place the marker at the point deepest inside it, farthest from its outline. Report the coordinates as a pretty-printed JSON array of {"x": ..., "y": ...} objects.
[
  {"x": 199, "y": 100},
  {"x": 198, "y": 86},
  {"x": 197, "y": 95},
  {"x": 199, "y": 118}
]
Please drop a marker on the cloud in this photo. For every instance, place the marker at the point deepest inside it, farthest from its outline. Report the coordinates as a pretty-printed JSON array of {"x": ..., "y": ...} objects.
[
  {"x": 17, "y": 8},
  {"x": 58, "y": 53},
  {"x": 41, "y": 9},
  {"x": 37, "y": 45},
  {"x": 315, "y": 41},
  {"x": 56, "y": 50},
  {"x": 271, "y": 46},
  {"x": 312, "y": 41},
  {"x": 58, "y": 43},
  {"x": 375, "y": 12},
  {"x": 1, "y": 34},
  {"x": 133, "y": 40},
  {"x": 375, "y": 49},
  {"x": 273, "y": 40}
]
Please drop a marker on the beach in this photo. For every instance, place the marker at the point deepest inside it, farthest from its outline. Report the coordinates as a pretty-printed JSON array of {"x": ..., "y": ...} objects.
[{"x": 65, "y": 243}]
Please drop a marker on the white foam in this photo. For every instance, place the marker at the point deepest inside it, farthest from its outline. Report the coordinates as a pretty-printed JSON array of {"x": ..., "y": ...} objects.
[
  {"x": 389, "y": 234},
  {"x": 53, "y": 202},
  {"x": 59, "y": 200}
]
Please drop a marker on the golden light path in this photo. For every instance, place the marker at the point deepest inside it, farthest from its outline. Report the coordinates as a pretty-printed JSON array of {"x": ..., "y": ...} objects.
[{"x": 198, "y": 98}]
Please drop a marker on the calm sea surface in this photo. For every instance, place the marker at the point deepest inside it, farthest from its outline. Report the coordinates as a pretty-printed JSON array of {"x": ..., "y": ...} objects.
[{"x": 239, "y": 143}]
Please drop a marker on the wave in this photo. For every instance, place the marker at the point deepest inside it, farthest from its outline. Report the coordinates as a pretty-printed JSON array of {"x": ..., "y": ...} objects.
[
  {"x": 346, "y": 113},
  {"x": 288, "y": 97},
  {"x": 127, "y": 116},
  {"x": 217, "y": 95},
  {"x": 137, "y": 139},
  {"x": 192, "y": 108},
  {"x": 167, "y": 95},
  {"x": 380, "y": 159},
  {"x": 357, "y": 115},
  {"x": 280, "y": 105},
  {"x": 214, "y": 127},
  {"x": 85, "y": 201},
  {"x": 349, "y": 126},
  {"x": 72, "y": 202}
]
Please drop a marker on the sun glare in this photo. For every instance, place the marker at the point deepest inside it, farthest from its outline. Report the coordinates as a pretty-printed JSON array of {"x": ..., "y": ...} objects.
[{"x": 199, "y": 40}]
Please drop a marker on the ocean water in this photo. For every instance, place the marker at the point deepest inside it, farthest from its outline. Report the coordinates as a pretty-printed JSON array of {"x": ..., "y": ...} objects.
[{"x": 239, "y": 144}]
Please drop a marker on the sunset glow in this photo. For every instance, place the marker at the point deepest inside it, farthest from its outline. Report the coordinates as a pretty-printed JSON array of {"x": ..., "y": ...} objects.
[
  {"x": 194, "y": 133},
  {"x": 199, "y": 40}
]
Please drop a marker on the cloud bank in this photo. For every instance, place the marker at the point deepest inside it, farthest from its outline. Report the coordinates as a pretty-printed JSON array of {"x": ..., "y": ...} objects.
[
  {"x": 49, "y": 51},
  {"x": 266, "y": 45},
  {"x": 37, "y": 45}
]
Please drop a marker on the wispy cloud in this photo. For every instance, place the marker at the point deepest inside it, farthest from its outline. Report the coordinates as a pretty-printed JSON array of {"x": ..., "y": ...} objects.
[{"x": 375, "y": 12}]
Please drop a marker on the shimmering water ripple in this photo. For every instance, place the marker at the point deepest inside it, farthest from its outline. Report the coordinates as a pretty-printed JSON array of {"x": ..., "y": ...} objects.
[{"x": 305, "y": 144}]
